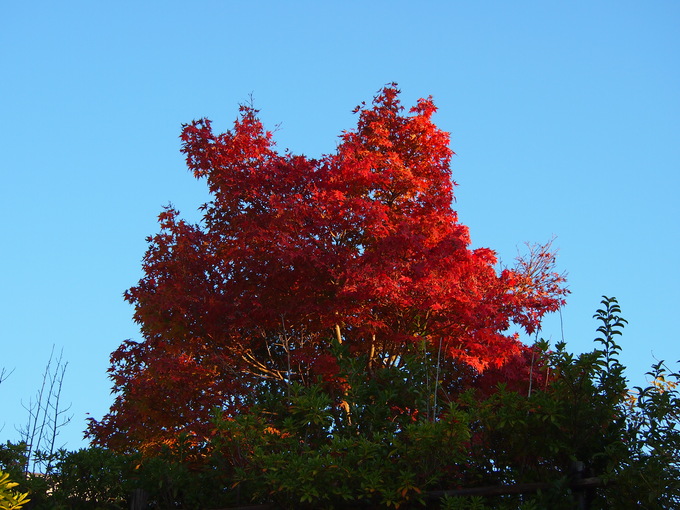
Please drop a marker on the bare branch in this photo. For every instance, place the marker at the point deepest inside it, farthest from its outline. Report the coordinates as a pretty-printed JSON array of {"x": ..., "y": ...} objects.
[
  {"x": 4, "y": 375},
  {"x": 45, "y": 417}
]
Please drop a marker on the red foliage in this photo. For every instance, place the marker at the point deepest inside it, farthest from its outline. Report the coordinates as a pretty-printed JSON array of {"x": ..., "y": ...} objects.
[{"x": 361, "y": 245}]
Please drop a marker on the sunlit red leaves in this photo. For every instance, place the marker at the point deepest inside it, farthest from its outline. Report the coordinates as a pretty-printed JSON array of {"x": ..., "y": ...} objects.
[{"x": 363, "y": 241}]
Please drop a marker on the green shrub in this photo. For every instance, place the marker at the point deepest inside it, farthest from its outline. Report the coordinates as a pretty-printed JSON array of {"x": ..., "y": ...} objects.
[
  {"x": 91, "y": 478},
  {"x": 384, "y": 441}
]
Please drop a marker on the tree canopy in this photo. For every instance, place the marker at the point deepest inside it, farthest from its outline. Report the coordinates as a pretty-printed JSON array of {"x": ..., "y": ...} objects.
[{"x": 360, "y": 248}]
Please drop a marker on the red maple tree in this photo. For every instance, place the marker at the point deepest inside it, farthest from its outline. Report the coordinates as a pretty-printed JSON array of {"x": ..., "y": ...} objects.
[{"x": 361, "y": 247}]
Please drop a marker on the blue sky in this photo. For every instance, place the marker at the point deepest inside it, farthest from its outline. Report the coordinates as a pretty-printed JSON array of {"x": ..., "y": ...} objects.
[{"x": 564, "y": 117}]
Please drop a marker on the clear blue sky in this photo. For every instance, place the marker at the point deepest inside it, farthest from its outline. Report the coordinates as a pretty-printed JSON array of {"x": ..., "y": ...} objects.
[{"x": 564, "y": 117}]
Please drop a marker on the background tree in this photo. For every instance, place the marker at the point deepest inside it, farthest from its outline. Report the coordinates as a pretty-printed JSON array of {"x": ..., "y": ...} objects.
[
  {"x": 360, "y": 247},
  {"x": 46, "y": 415}
]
